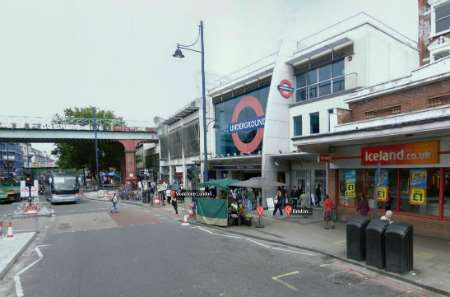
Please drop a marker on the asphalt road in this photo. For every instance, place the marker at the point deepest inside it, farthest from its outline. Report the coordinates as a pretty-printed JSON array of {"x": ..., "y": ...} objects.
[{"x": 143, "y": 252}]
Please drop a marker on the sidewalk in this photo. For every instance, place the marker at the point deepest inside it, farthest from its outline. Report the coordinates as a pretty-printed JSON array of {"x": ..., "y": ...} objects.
[
  {"x": 431, "y": 256},
  {"x": 11, "y": 249}
]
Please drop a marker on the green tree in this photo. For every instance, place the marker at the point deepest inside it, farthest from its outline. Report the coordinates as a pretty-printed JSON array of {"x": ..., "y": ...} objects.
[{"x": 80, "y": 155}]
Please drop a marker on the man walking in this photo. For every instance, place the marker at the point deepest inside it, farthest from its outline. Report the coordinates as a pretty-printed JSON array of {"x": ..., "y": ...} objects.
[
  {"x": 278, "y": 203},
  {"x": 173, "y": 195},
  {"x": 114, "y": 201}
]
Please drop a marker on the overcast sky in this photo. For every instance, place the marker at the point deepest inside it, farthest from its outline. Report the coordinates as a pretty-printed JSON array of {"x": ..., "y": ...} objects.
[{"x": 117, "y": 54}]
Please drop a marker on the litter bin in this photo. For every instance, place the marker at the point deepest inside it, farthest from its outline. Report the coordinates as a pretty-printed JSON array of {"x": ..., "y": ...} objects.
[
  {"x": 356, "y": 238},
  {"x": 375, "y": 245},
  {"x": 399, "y": 247}
]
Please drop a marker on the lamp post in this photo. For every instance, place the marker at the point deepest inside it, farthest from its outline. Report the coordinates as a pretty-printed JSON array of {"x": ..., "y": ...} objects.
[
  {"x": 97, "y": 174},
  {"x": 179, "y": 54}
]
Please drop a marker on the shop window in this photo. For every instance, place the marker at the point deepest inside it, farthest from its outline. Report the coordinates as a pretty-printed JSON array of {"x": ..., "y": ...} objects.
[
  {"x": 419, "y": 191},
  {"x": 380, "y": 187},
  {"x": 298, "y": 125},
  {"x": 350, "y": 186},
  {"x": 314, "y": 123},
  {"x": 447, "y": 193}
]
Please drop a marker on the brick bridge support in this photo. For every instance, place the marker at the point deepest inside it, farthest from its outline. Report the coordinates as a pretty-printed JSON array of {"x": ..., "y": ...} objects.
[{"x": 129, "y": 161}]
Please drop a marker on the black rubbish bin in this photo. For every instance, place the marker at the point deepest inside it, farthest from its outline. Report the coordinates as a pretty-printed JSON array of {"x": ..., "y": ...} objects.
[
  {"x": 399, "y": 247},
  {"x": 356, "y": 238},
  {"x": 375, "y": 243}
]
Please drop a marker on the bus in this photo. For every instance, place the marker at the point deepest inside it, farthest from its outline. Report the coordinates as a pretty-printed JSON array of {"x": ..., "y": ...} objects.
[
  {"x": 65, "y": 188},
  {"x": 9, "y": 190}
]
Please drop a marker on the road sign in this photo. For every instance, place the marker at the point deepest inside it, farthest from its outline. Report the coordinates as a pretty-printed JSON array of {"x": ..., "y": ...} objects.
[
  {"x": 285, "y": 88},
  {"x": 260, "y": 210}
]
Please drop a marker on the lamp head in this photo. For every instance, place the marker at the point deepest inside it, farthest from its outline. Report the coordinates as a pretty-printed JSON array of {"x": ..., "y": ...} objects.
[{"x": 178, "y": 53}]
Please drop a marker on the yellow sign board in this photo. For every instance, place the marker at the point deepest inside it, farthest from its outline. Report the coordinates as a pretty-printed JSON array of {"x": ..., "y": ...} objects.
[
  {"x": 382, "y": 194},
  {"x": 350, "y": 191},
  {"x": 417, "y": 196}
]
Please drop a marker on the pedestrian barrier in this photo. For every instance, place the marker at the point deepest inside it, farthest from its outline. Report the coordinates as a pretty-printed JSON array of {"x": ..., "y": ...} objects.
[
  {"x": 9, "y": 233},
  {"x": 185, "y": 221}
]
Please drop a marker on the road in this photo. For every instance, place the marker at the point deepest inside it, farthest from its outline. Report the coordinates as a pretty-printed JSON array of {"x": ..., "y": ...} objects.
[{"x": 86, "y": 251}]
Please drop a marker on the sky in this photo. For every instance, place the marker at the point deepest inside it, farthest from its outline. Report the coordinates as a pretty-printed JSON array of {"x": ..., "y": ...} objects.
[{"x": 117, "y": 54}]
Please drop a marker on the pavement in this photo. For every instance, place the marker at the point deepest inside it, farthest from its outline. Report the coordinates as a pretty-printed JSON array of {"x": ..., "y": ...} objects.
[
  {"x": 11, "y": 249},
  {"x": 431, "y": 255},
  {"x": 84, "y": 250}
]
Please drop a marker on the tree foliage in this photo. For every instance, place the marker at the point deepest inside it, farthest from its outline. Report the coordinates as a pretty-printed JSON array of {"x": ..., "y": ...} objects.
[{"x": 80, "y": 155}]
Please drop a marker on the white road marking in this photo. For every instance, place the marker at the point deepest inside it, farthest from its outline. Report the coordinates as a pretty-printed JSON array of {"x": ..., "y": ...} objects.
[
  {"x": 258, "y": 243},
  {"x": 19, "y": 288},
  {"x": 277, "y": 279},
  {"x": 205, "y": 230},
  {"x": 291, "y": 251}
]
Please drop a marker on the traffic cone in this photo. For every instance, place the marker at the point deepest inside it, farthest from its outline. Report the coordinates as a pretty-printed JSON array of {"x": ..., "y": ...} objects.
[
  {"x": 9, "y": 233},
  {"x": 185, "y": 221}
]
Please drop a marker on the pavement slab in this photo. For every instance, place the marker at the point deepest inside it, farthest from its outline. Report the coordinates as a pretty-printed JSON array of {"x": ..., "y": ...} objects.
[{"x": 12, "y": 248}]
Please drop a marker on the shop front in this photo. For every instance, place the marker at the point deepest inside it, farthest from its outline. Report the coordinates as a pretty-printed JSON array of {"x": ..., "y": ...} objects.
[{"x": 412, "y": 179}]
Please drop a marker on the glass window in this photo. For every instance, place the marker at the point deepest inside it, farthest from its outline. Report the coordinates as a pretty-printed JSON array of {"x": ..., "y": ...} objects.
[
  {"x": 442, "y": 17},
  {"x": 301, "y": 94},
  {"x": 441, "y": 55},
  {"x": 312, "y": 76},
  {"x": 338, "y": 85},
  {"x": 325, "y": 72},
  {"x": 312, "y": 91},
  {"x": 420, "y": 191},
  {"x": 297, "y": 125},
  {"x": 301, "y": 80},
  {"x": 325, "y": 88},
  {"x": 378, "y": 180},
  {"x": 338, "y": 68},
  {"x": 314, "y": 122}
]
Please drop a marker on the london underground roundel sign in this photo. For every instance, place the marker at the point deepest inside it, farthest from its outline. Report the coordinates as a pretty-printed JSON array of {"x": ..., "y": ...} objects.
[
  {"x": 258, "y": 124},
  {"x": 285, "y": 88}
]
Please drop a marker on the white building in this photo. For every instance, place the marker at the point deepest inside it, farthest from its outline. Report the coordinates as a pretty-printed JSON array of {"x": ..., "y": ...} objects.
[{"x": 298, "y": 92}]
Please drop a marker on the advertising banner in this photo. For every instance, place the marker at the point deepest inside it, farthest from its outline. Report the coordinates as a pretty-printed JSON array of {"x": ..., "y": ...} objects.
[
  {"x": 418, "y": 190},
  {"x": 350, "y": 183},
  {"x": 410, "y": 153},
  {"x": 382, "y": 184}
]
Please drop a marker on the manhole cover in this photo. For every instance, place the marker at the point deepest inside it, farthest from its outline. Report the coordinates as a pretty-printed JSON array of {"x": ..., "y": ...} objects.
[
  {"x": 64, "y": 226},
  {"x": 344, "y": 278}
]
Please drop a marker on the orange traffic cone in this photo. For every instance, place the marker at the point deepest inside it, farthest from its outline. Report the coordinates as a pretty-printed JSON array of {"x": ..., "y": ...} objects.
[{"x": 9, "y": 233}]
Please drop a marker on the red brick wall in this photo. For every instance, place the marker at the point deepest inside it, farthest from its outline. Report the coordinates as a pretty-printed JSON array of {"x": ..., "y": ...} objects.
[
  {"x": 343, "y": 115},
  {"x": 421, "y": 226},
  {"x": 409, "y": 100}
]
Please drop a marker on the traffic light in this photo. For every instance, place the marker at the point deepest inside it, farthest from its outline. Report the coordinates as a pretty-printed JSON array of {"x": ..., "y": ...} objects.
[{"x": 28, "y": 181}]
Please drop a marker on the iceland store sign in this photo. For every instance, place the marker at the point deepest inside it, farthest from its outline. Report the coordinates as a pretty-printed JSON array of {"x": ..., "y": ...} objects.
[{"x": 236, "y": 126}]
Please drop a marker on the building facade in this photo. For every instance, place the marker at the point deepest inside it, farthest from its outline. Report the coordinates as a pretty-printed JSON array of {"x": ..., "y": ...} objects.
[
  {"x": 297, "y": 92},
  {"x": 179, "y": 147}
]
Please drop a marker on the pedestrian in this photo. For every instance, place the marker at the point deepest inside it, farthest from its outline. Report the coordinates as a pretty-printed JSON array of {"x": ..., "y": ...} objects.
[
  {"x": 168, "y": 195},
  {"x": 363, "y": 206},
  {"x": 174, "y": 201},
  {"x": 278, "y": 203},
  {"x": 388, "y": 216},
  {"x": 115, "y": 202},
  {"x": 328, "y": 206},
  {"x": 318, "y": 193}
]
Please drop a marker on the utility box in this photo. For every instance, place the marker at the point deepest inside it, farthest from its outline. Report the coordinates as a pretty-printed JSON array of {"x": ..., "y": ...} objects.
[
  {"x": 375, "y": 243},
  {"x": 356, "y": 238},
  {"x": 399, "y": 248}
]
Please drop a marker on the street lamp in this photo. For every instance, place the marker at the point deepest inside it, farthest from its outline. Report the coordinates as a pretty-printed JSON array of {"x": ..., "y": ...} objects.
[
  {"x": 179, "y": 54},
  {"x": 97, "y": 174}
]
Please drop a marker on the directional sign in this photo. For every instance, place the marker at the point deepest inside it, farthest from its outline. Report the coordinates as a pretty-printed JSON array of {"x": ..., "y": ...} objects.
[{"x": 259, "y": 210}]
